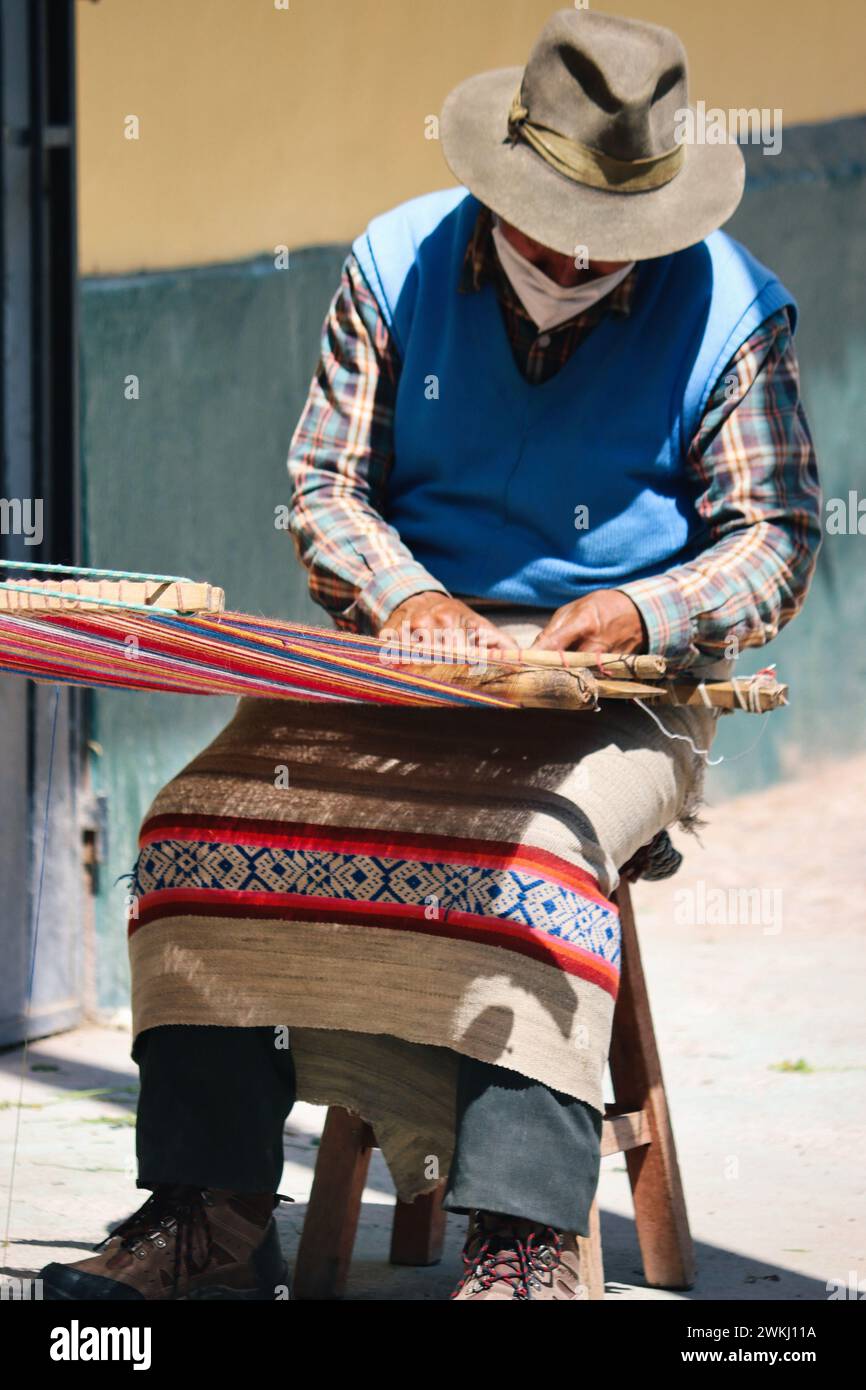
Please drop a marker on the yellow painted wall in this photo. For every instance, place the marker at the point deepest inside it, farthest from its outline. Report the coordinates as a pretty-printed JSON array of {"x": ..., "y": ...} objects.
[{"x": 261, "y": 126}]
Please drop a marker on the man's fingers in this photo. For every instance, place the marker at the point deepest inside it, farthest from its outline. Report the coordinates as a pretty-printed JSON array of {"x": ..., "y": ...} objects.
[
  {"x": 470, "y": 635},
  {"x": 492, "y": 632},
  {"x": 564, "y": 632}
]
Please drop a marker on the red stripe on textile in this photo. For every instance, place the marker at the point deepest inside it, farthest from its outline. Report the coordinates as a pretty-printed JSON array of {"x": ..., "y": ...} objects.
[
  {"x": 496, "y": 932},
  {"x": 279, "y": 663},
  {"x": 449, "y": 849}
]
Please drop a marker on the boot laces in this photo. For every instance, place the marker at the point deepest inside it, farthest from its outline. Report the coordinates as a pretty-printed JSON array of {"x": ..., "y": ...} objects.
[
  {"x": 496, "y": 1252},
  {"x": 177, "y": 1212}
]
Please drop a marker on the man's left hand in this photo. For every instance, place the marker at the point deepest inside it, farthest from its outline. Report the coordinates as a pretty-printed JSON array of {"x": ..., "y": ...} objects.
[{"x": 605, "y": 621}]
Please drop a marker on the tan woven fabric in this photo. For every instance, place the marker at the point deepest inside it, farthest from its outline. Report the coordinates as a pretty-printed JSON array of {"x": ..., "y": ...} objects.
[{"x": 377, "y": 1015}]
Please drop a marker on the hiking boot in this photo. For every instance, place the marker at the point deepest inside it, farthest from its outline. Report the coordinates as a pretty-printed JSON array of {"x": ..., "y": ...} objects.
[
  {"x": 183, "y": 1243},
  {"x": 510, "y": 1258}
]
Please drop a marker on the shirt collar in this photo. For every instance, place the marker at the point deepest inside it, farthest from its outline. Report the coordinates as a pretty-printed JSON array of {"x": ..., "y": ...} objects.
[{"x": 481, "y": 264}]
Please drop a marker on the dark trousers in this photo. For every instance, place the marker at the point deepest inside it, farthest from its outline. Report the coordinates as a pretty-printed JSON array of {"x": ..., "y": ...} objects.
[{"x": 214, "y": 1101}]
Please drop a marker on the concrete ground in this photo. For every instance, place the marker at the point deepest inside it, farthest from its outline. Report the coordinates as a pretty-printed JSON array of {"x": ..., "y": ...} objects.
[{"x": 758, "y": 1004}]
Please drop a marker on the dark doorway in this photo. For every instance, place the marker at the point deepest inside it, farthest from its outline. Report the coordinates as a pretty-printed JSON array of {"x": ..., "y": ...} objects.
[{"x": 40, "y": 843}]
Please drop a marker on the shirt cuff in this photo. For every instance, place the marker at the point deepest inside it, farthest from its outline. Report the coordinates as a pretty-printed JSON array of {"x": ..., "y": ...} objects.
[
  {"x": 671, "y": 626},
  {"x": 390, "y": 587}
]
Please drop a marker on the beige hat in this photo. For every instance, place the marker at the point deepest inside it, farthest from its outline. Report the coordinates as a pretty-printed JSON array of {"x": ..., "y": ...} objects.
[{"x": 580, "y": 148}]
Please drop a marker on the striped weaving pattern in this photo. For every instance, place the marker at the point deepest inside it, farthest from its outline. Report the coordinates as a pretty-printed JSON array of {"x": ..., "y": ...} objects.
[{"x": 234, "y": 654}]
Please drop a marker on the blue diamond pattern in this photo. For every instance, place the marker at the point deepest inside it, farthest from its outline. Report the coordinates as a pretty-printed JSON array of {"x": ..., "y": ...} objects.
[{"x": 510, "y": 894}]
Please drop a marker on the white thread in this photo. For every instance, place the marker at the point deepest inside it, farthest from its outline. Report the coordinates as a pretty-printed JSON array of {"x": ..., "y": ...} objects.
[{"x": 701, "y": 752}]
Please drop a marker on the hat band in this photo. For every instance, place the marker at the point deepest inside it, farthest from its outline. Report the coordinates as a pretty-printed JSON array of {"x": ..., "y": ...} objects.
[{"x": 591, "y": 167}]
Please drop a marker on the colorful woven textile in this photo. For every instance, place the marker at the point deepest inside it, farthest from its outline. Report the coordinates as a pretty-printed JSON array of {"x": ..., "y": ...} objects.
[
  {"x": 234, "y": 654},
  {"x": 399, "y": 886},
  {"x": 503, "y": 895},
  {"x": 421, "y": 874}
]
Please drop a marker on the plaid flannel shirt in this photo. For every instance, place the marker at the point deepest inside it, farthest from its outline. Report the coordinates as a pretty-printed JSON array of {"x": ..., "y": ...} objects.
[{"x": 751, "y": 463}]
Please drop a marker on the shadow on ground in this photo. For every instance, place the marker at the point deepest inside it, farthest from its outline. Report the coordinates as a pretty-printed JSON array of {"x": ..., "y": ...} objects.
[{"x": 722, "y": 1274}]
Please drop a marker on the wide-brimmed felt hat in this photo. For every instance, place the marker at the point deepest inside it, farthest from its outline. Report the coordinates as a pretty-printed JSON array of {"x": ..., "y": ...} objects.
[{"x": 582, "y": 146}]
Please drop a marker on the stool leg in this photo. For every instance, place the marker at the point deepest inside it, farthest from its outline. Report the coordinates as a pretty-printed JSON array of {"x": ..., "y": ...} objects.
[
  {"x": 418, "y": 1232},
  {"x": 325, "y": 1249},
  {"x": 591, "y": 1267},
  {"x": 659, "y": 1202}
]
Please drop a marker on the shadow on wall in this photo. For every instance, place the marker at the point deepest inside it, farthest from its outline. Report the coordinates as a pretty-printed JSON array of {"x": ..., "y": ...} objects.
[{"x": 192, "y": 383}]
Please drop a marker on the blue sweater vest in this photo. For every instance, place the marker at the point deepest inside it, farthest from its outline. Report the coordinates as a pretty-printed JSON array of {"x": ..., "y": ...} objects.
[{"x": 535, "y": 494}]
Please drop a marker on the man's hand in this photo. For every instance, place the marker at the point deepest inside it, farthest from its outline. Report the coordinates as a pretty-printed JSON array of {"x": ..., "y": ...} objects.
[
  {"x": 606, "y": 621},
  {"x": 437, "y": 612}
]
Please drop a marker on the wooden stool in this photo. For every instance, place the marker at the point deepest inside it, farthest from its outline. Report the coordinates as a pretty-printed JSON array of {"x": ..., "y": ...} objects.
[{"x": 637, "y": 1124}]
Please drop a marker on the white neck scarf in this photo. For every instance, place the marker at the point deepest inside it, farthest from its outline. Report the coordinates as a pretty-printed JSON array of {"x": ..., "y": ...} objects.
[{"x": 546, "y": 302}]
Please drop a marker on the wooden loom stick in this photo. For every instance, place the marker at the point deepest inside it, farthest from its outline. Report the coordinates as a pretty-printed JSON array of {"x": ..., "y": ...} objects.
[
  {"x": 543, "y": 687},
  {"x": 638, "y": 666},
  {"x": 557, "y": 688},
  {"x": 753, "y": 694},
  {"x": 58, "y": 595}
]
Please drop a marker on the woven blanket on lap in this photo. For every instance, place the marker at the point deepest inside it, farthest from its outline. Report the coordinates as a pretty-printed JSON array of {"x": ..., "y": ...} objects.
[{"x": 411, "y": 884}]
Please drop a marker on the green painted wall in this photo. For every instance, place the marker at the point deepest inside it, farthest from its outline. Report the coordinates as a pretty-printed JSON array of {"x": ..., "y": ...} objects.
[
  {"x": 185, "y": 479},
  {"x": 804, "y": 213}
]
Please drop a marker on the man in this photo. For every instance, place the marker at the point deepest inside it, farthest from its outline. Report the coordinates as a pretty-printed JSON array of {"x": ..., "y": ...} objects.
[{"x": 555, "y": 404}]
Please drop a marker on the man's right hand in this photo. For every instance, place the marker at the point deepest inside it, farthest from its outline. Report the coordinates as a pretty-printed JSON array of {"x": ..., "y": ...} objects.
[{"x": 434, "y": 611}]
